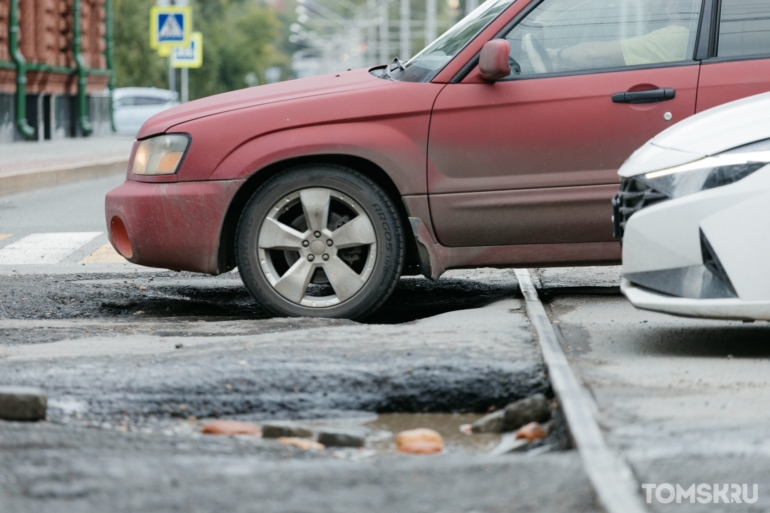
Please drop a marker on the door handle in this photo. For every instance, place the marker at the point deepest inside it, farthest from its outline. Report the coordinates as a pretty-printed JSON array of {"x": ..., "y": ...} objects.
[{"x": 653, "y": 96}]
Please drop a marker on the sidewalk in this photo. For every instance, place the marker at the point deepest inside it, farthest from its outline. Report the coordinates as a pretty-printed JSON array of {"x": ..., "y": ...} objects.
[{"x": 31, "y": 165}]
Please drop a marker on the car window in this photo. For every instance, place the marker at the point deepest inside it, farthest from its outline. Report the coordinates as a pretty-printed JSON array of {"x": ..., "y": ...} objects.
[
  {"x": 430, "y": 61},
  {"x": 561, "y": 36},
  {"x": 133, "y": 101},
  {"x": 744, "y": 28}
]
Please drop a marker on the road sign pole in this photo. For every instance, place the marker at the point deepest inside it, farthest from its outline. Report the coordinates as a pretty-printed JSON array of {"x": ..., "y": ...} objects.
[
  {"x": 186, "y": 58},
  {"x": 371, "y": 34},
  {"x": 171, "y": 76},
  {"x": 405, "y": 46},
  {"x": 384, "y": 32},
  {"x": 185, "y": 85},
  {"x": 430, "y": 21}
]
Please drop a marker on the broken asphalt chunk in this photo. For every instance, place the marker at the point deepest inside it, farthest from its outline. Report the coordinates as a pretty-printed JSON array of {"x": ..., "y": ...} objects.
[
  {"x": 492, "y": 423},
  {"x": 521, "y": 413},
  {"x": 288, "y": 430},
  {"x": 22, "y": 403},
  {"x": 340, "y": 438}
]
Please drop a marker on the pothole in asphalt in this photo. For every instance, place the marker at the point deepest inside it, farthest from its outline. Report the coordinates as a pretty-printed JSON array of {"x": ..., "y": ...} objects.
[
  {"x": 384, "y": 428},
  {"x": 174, "y": 300},
  {"x": 549, "y": 295},
  {"x": 303, "y": 386},
  {"x": 379, "y": 432}
]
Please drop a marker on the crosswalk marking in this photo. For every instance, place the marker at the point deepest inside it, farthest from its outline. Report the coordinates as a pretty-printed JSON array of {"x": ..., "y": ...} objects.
[
  {"x": 104, "y": 255},
  {"x": 44, "y": 248}
]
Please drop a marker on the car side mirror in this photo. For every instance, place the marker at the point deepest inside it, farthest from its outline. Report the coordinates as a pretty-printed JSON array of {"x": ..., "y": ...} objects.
[{"x": 493, "y": 61}]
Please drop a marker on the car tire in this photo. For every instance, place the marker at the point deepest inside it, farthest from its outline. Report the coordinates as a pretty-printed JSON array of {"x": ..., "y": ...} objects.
[{"x": 287, "y": 254}]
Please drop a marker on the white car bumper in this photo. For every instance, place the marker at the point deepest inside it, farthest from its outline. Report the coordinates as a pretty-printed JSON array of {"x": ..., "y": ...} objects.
[{"x": 731, "y": 308}]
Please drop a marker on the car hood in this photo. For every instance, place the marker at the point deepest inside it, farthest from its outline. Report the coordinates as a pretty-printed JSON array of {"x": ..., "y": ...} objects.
[
  {"x": 254, "y": 96},
  {"x": 709, "y": 133}
]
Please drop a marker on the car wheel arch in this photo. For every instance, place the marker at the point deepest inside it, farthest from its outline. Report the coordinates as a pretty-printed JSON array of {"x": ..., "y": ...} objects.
[{"x": 226, "y": 257}]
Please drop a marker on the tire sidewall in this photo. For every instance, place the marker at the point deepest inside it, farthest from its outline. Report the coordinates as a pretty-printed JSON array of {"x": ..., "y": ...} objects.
[{"x": 375, "y": 203}]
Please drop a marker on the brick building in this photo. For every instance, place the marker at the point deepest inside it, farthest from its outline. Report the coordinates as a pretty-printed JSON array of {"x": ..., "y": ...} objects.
[{"x": 55, "y": 68}]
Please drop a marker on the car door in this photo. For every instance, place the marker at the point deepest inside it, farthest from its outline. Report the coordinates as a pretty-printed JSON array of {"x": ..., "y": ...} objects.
[
  {"x": 533, "y": 159},
  {"x": 739, "y": 62}
]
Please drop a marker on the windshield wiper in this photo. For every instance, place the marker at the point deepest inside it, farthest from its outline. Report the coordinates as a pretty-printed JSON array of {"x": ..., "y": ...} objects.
[{"x": 399, "y": 65}]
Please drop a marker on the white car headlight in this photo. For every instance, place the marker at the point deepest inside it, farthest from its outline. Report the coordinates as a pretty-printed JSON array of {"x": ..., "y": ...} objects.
[
  {"x": 710, "y": 172},
  {"x": 160, "y": 155}
]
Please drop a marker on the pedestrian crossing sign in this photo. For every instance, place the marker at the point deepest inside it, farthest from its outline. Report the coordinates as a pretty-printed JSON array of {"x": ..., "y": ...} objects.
[
  {"x": 190, "y": 56},
  {"x": 170, "y": 27}
]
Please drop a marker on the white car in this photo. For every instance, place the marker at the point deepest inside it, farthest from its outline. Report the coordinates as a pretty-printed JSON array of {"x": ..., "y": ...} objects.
[
  {"x": 693, "y": 213},
  {"x": 135, "y": 105}
]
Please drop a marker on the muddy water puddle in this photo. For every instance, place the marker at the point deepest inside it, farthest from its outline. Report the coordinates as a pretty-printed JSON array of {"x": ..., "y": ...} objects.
[
  {"x": 387, "y": 426},
  {"x": 381, "y": 430}
]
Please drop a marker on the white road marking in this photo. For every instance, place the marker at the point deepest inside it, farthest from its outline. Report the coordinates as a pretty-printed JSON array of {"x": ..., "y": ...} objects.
[
  {"x": 44, "y": 248},
  {"x": 610, "y": 475}
]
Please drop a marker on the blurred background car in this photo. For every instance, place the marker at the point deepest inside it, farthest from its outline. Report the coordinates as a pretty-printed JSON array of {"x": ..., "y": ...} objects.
[
  {"x": 135, "y": 105},
  {"x": 693, "y": 213}
]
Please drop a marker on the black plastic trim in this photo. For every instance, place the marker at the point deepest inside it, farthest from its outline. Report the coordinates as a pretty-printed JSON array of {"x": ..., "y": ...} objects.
[
  {"x": 652, "y": 96},
  {"x": 634, "y": 195},
  {"x": 600, "y": 71},
  {"x": 692, "y": 282},
  {"x": 737, "y": 58},
  {"x": 705, "y": 30},
  {"x": 712, "y": 263},
  {"x": 715, "y": 23}
]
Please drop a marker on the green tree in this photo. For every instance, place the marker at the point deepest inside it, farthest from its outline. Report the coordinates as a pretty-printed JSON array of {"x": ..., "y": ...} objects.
[
  {"x": 136, "y": 65},
  {"x": 240, "y": 38}
]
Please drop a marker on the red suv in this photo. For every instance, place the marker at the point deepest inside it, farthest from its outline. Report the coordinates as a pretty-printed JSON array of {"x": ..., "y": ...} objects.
[{"x": 497, "y": 145}]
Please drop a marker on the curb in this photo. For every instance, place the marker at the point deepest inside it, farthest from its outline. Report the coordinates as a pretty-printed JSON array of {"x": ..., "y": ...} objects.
[{"x": 49, "y": 177}]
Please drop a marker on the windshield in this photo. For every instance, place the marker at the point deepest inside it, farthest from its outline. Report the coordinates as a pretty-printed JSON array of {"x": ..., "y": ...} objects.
[{"x": 426, "y": 64}]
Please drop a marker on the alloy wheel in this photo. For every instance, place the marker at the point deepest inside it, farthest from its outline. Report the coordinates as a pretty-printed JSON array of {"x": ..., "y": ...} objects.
[{"x": 317, "y": 247}]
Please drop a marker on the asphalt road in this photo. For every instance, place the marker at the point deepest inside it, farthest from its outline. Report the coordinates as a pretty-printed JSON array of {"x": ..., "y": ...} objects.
[
  {"x": 684, "y": 400},
  {"x": 136, "y": 360},
  {"x": 126, "y": 410}
]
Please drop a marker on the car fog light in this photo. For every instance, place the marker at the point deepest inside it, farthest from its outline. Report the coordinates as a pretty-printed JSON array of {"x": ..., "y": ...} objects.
[
  {"x": 160, "y": 155},
  {"x": 120, "y": 238}
]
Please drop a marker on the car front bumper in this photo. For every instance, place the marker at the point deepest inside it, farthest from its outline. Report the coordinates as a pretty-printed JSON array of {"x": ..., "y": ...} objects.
[
  {"x": 709, "y": 245},
  {"x": 728, "y": 308},
  {"x": 174, "y": 226}
]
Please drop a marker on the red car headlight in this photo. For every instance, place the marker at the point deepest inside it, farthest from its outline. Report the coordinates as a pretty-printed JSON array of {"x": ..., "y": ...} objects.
[{"x": 160, "y": 155}]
